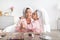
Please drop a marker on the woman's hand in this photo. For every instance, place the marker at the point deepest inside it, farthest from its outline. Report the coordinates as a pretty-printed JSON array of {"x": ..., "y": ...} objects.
[
  {"x": 28, "y": 21},
  {"x": 23, "y": 26}
]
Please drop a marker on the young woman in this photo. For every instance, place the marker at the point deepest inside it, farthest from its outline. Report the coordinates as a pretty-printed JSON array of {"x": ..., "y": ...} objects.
[{"x": 24, "y": 25}]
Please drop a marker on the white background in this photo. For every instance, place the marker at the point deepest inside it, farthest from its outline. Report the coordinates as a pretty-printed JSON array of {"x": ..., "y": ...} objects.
[{"x": 48, "y": 5}]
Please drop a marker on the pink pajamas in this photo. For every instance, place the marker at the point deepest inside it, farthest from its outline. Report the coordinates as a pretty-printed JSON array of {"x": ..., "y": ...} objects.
[
  {"x": 35, "y": 26},
  {"x": 27, "y": 26}
]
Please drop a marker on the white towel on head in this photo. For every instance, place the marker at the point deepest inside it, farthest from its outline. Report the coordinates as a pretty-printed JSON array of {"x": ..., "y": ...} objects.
[{"x": 46, "y": 20}]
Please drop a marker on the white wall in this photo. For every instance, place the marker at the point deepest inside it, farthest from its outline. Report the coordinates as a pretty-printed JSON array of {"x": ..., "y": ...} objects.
[
  {"x": 49, "y": 5},
  {"x": 58, "y": 8}
]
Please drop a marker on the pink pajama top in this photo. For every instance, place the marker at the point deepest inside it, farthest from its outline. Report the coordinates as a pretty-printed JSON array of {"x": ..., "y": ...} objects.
[
  {"x": 37, "y": 26},
  {"x": 27, "y": 26}
]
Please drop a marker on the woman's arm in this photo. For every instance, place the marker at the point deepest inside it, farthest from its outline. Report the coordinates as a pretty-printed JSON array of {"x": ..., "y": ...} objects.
[{"x": 20, "y": 25}]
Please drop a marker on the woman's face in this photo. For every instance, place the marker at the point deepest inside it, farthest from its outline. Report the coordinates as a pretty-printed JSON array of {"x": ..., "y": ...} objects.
[{"x": 29, "y": 13}]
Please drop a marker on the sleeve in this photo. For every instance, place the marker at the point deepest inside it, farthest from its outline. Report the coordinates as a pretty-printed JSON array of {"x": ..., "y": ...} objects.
[
  {"x": 41, "y": 25},
  {"x": 18, "y": 25}
]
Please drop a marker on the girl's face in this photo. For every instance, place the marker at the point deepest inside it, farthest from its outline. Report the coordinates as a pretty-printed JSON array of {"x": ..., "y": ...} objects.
[
  {"x": 29, "y": 13},
  {"x": 34, "y": 16}
]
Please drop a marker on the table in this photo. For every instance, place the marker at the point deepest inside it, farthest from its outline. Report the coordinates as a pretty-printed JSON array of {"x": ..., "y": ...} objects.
[{"x": 18, "y": 36}]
